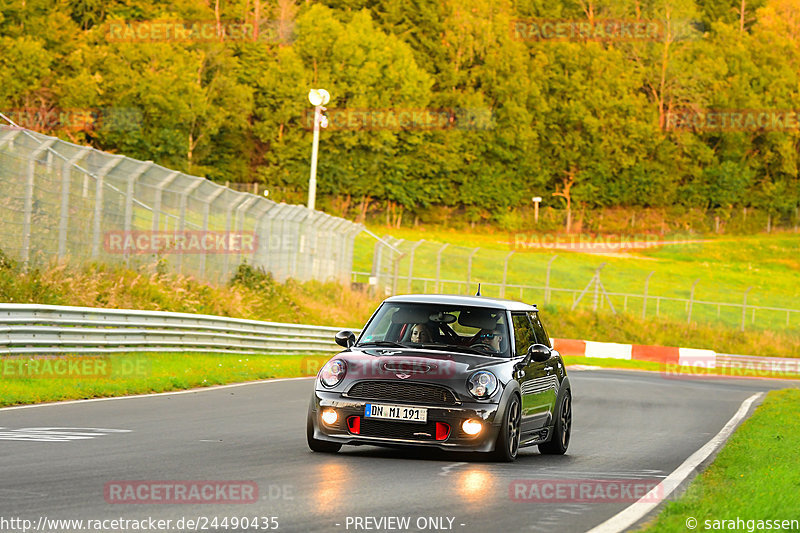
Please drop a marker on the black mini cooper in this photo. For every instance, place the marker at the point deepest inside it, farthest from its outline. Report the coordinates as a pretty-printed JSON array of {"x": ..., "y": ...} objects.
[{"x": 463, "y": 373}]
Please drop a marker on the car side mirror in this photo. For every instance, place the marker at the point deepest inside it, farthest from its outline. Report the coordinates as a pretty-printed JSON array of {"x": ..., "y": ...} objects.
[
  {"x": 539, "y": 353},
  {"x": 345, "y": 338}
]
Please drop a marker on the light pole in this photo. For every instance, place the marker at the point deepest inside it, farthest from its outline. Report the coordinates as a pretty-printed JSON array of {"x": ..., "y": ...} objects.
[
  {"x": 536, "y": 200},
  {"x": 318, "y": 98}
]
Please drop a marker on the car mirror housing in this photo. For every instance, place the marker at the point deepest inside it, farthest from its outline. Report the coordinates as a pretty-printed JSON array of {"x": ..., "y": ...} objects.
[
  {"x": 345, "y": 338},
  {"x": 539, "y": 353}
]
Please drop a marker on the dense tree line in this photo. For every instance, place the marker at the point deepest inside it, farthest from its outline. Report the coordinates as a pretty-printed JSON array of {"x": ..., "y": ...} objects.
[{"x": 513, "y": 111}]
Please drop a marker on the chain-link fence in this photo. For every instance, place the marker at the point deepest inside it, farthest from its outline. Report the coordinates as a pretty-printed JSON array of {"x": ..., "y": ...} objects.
[
  {"x": 404, "y": 267},
  {"x": 61, "y": 200}
]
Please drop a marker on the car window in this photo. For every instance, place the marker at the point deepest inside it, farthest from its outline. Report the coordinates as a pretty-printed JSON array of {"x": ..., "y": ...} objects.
[
  {"x": 485, "y": 329},
  {"x": 538, "y": 329},
  {"x": 523, "y": 333},
  {"x": 383, "y": 321}
]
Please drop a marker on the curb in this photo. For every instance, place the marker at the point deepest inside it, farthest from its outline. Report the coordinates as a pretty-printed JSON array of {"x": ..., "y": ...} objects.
[{"x": 637, "y": 352}]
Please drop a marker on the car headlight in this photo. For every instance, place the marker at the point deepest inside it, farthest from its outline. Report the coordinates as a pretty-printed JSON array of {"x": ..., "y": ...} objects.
[
  {"x": 332, "y": 373},
  {"x": 482, "y": 384}
]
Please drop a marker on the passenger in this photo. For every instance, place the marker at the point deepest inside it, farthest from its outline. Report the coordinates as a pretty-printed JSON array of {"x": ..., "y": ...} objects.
[{"x": 421, "y": 334}]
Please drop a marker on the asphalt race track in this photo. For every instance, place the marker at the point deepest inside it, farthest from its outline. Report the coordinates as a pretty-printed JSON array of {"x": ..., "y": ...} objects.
[{"x": 627, "y": 426}]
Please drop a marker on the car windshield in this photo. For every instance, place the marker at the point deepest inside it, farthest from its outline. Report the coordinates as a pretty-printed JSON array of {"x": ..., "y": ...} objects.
[{"x": 466, "y": 329}]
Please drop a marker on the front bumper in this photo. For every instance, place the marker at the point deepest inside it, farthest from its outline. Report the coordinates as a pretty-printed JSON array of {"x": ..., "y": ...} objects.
[{"x": 397, "y": 433}]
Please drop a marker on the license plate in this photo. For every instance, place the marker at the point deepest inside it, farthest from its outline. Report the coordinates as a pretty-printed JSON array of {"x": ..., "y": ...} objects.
[{"x": 396, "y": 412}]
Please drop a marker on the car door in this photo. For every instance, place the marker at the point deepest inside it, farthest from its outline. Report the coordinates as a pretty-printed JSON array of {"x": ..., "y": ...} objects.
[
  {"x": 552, "y": 367},
  {"x": 534, "y": 378}
]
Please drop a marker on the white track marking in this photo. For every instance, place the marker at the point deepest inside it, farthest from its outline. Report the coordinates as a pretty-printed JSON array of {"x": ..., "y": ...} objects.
[
  {"x": 56, "y": 434},
  {"x": 446, "y": 469},
  {"x": 633, "y": 513},
  {"x": 188, "y": 391}
]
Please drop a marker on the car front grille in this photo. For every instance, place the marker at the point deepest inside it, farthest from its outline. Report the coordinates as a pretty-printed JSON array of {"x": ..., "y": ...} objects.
[
  {"x": 397, "y": 430},
  {"x": 403, "y": 392}
]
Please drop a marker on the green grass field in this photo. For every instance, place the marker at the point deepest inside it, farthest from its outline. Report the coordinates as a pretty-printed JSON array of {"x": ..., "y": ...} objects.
[
  {"x": 754, "y": 477},
  {"x": 725, "y": 267},
  {"x": 25, "y": 381}
]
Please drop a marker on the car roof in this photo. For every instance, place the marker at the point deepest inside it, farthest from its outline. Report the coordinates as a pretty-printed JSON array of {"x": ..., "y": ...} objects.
[{"x": 454, "y": 299}]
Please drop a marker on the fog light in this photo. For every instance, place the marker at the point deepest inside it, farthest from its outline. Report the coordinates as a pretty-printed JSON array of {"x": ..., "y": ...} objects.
[
  {"x": 330, "y": 417},
  {"x": 354, "y": 424},
  {"x": 471, "y": 427}
]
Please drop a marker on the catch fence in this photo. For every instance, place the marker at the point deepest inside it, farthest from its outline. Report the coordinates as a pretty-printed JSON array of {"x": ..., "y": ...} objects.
[
  {"x": 555, "y": 280},
  {"x": 63, "y": 201}
]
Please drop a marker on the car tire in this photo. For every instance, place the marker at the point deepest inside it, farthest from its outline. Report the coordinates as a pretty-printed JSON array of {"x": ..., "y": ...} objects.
[
  {"x": 317, "y": 445},
  {"x": 506, "y": 446},
  {"x": 562, "y": 429}
]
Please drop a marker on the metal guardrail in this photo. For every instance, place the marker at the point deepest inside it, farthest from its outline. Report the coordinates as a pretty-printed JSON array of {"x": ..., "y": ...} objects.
[{"x": 51, "y": 329}]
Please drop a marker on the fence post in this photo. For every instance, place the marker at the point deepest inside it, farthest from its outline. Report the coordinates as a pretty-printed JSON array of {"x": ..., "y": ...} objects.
[
  {"x": 259, "y": 223},
  {"x": 182, "y": 215},
  {"x": 129, "y": 195},
  {"x": 9, "y": 139},
  {"x": 157, "y": 203},
  {"x": 691, "y": 300},
  {"x": 28, "y": 215},
  {"x": 439, "y": 265},
  {"x": 411, "y": 264},
  {"x": 98, "y": 203},
  {"x": 233, "y": 206},
  {"x": 241, "y": 215},
  {"x": 377, "y": 256},
  {"x": 395, "y": 272},
  {"x": 349, "y": 244},
  {"x": 66, "y": 182},
  {"x": 744, "y": 307},
  {"x": 469, "y": 269},
  {"x": 206, "y": 215},
  {"x": 597, "y": 287},
  {"x": 646, "y": 285},
  {"x": 505, "y": 274},
  {"x": 547, "y": 280}
]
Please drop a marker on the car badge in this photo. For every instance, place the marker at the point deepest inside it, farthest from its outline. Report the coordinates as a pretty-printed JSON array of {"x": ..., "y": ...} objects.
[{"x": 403, "y": 376}]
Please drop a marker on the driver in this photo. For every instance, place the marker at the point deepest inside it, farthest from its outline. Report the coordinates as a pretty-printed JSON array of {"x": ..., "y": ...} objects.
[
  {"x": 421, "y": 334},
  {"x": 492, "y": 338}
]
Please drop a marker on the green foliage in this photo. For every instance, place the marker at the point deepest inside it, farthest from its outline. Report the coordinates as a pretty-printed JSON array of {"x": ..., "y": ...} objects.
[
  {"x": 6, "y": 263},
  {"x": 252, "y": 278}
]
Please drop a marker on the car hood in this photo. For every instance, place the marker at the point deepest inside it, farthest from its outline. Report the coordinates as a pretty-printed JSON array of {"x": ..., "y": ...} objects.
[{"x": 413, "y": 364}]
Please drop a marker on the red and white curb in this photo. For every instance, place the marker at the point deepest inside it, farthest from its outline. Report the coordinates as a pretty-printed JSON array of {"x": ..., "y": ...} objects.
[{"x": 667, "y": 355}]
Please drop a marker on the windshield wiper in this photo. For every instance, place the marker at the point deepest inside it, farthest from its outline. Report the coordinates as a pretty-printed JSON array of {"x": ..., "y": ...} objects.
[
  {"x": 382, "y": 343},
  {"x": 469, "y": 349}
]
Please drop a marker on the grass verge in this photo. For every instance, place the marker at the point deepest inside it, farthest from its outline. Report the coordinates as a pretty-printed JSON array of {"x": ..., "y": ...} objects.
[
  {"x": 25, "y": 380},
  {"x": 754, "y": 477}
]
